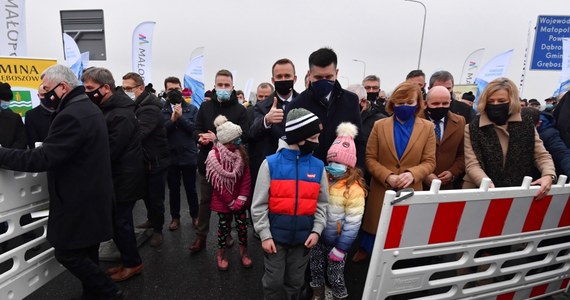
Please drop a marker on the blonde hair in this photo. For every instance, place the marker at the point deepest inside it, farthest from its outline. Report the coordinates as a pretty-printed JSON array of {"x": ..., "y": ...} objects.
[
  {"x": 501, "y": 83},
  {"x": 353, "y": 175}
]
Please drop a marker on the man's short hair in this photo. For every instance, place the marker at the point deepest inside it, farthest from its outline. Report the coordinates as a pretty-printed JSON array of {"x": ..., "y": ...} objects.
[
  {"x": 370, "y": 78},
  {"x": 239, "y": 92},
  {"x": 99, "y": 75},
  {"x": 134, "y": 77},
  {"x": 224, "y": 72},
  {"x": 264, "y": 85},
  {"x": 441, "y": 76},
  {"x": 58, "y": 73},
  {"x": 173, "y": 80},
  {"x": 283, "y": 61},
  {"x": 323, "y": 58},
  {"x": 415, "y": 73}
]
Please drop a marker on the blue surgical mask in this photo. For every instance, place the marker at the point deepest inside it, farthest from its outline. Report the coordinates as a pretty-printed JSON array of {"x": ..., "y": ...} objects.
[
  {"x": 404, "y": 112},
  {"x": 549, "y": 106},
  {"x": 223, "y": 95},
  {"x": 5, "y": 104},
  {"x": 336, "y": 170},
  {"x": 322, "y": 88},
  {"x": 237, "y": 141}
]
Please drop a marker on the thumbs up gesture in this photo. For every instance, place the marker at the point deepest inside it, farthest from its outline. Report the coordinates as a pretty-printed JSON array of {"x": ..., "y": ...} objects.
[{"x": 275, "y": 115}]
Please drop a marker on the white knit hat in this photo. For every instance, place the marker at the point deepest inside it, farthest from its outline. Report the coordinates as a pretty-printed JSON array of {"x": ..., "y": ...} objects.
[{"x": 226, "y": 131}]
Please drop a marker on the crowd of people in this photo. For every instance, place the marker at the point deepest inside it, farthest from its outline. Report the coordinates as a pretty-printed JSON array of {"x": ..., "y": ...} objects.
[{"x": 310, "y": 169}]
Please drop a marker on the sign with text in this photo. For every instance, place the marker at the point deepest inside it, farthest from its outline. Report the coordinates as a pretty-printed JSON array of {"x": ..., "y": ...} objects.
[{"x": 547, "y": 53}]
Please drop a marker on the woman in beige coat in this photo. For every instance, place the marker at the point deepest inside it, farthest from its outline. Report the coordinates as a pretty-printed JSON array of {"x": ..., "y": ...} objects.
[
  {"x": 399, "y": 154},
  {"x": 500, "y": 126}
]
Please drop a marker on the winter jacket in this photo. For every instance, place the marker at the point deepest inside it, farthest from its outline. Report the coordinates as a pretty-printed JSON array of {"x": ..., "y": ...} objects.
[
  {"x": 290, "y": 198},
  {"x": 475, "y": 169},
  {"x": 242, "y": 188},
  {"x": 561, "y": 116},
  {"x": 554, "y": 144},
  {"x": 343, "y": 106},
  {"x": 12, "y": 131},
  {"x": 369, "y": 117},
  {"x": 344, "y": 215},
  {"x": 152, "y": 131},
  {"x": 209, "y": 110},
  {"x": 127, "y": 163},
  {"x": 37, "y": 125},
  {"x": 76, "y": 156},
  {"x": 183, "y": 147}
]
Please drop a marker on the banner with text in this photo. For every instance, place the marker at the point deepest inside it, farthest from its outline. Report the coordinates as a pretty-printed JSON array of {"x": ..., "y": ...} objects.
[
  {"x": 496, "y": 67},
  {"x": 73, "y": 56},
  {"x": 23, "y": 75},
  {"x": 565, "y": 74},
  {"x": 547, "y": 52},
  {"x": 471, "y": 65},
  {"x": 142, "y": 50},
  {"x": 13, "y": 29},
  {"x": 194, "y": 76}
]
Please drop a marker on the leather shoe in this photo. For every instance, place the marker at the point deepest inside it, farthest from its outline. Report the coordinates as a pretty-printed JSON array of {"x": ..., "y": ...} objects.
[
  {"x": 174, "y": 224},
  {"x": 198, "y": 244},
  {"x": 156, "y": 239},
  {"x": 146, "y": 225},
  {"x": 126, "y": 273},
  {"x": 112, "y": 270}
]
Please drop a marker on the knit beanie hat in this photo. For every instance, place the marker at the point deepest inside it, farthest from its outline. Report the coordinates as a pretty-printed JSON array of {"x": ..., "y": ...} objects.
[
  {"x": 300, "y": 125},
  {"x": 5, "y": 91},
  {"x": 226, "y": 131},
  {"x": 186, "y": 92},
  {"x": 343, "y": 150}
]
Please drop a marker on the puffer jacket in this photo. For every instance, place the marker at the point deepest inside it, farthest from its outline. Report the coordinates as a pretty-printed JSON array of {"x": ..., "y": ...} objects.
[{"x": 344, "y": 215}]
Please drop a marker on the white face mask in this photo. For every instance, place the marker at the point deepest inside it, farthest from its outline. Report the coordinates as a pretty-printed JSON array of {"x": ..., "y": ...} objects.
[{"x": 131, "y": 95}]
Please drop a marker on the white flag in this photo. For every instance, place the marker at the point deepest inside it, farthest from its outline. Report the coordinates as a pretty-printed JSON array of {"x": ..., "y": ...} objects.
[
  {"x": 72, "y": 55},
  {"x": 565, "y": 73},
  {"x": 13, "y": 28},
  {"x": 142, "y": 50},
  {"x": 471, "y": 65},
  {"x": 194, "y": 76}
]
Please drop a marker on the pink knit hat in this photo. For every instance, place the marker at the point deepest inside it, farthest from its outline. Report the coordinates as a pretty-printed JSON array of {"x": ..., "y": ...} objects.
[{"x": 343, "y": 150}]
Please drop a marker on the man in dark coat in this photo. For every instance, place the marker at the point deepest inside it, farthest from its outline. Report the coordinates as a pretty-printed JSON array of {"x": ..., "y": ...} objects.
[
  {"x": 126, "y": 164},
  {"x": 268, "y": 125},
  {"x": 155, "y": 151},
  {"x": 445, "y": 79},
  {"x": 38, "y": 120},
  {"x": 12, "y": 131},
  {"x": 561, "y": 116},
  {"x": 76, "y": 156},
  {"x": 329, "y": 101},
  {"x": 179, "y": 119},
  {"x": 224, "y": 102}
]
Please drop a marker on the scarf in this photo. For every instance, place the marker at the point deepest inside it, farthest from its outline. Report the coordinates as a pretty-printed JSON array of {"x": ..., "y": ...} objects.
[{"x": 223, "y": 167}]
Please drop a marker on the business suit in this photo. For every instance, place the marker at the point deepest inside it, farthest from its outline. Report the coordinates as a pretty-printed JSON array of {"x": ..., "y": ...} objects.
[
  {"x": 382, "y": 161},
  {"x": 449, "y": 151}
]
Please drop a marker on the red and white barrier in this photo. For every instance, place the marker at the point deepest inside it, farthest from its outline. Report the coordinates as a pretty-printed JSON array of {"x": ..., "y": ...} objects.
[
  {"x": 28, "y": 262},
  {"x": 478, "y": 244}
]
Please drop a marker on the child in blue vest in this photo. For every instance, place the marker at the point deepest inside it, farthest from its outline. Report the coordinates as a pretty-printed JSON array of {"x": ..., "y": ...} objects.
[{"x": 289, "y": 206}]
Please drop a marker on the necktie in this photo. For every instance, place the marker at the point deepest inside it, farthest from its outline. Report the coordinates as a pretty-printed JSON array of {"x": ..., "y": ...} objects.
[{"x": 437, "y": 130}]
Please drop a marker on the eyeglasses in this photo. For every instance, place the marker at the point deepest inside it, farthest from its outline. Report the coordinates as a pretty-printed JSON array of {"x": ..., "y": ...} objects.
[{"x": 130, "y": 88}]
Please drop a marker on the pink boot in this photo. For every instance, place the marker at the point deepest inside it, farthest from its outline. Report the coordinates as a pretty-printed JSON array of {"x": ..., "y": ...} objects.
[{"x": 245, "y": 260}]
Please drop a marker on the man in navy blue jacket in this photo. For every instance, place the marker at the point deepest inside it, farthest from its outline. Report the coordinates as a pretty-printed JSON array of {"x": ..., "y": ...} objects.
[{"x": 329, "y": 101}]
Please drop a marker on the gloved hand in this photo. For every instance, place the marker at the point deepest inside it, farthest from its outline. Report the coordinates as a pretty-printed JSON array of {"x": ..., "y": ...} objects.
[
  {"x": 336, "y": 254},
  {"x": 238, "y": 204}
]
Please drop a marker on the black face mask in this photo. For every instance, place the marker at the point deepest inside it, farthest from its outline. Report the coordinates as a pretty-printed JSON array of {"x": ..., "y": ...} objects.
[
  {"x": 308, "y": 147},
  {"x": 498, "y": 113},
  {"x": 372, "y": 96},
  {"x": 175, "y": 97},
  {"x": 52, "y": 97},
  {"x": 96, "y": 96},
  {"x": 284, "y": 87},
  {"x": 437, "y": 113}
]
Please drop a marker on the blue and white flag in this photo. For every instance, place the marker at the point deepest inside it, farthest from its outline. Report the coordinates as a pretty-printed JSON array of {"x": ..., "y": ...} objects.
[
  {"x": 73, "y": 57},
  {"x": 142, "y": 50},
  {"x": 495, "y": 68},
  {"x": 13, "y": 28},
  {"x": 565, "y": 73},
  {"x": 194, "y": 76}
]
